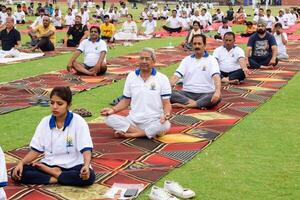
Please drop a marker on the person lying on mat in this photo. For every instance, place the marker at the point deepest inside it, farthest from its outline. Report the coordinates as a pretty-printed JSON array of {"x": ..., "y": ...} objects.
[
  {"x": 261, "y": 49},
  {"x": 201, "y": 79},
  {"x": 10, "y": 40},
  {"x": 78, "y": 31},
  {"x": 43, "y": 36},
  {"x": 94, "y": 50},
  {"x": 147, "y": 92},
  {"x": 65, "y": 142},
  {"x": 231, "y": 60}
]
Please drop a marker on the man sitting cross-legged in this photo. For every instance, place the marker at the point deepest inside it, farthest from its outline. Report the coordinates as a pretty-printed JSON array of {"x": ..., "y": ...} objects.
[
  {"x": 261, "y": 49},
  {"x": 78, "y": 31},
  {"x": 94, "y": 50},
  {"x": 201, "y": 78},
  {"x": 147, "y": 92},
  {"x": 231, "y": 60},
  {"x": 43, "y": 36}
]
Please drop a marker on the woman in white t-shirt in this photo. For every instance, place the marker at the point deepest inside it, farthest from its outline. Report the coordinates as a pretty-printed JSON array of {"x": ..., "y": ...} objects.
[
  {"x": 64, "y": 139},
  {"x": 128, "y": 31}
]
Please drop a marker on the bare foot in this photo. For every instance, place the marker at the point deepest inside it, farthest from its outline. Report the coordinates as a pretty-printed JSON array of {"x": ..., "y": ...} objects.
[
  {"x": 267, "y": 67},
  {"x": 234, "y": 82},
  {"x": 178, "y": 105},
  {"x": 119, "y": 134},
  {"x": 53, "y": 171}
]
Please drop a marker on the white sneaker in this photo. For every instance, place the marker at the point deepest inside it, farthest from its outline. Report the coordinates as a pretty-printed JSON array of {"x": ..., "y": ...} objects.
[
  {"x": 177, "y": 190},
  {"x": 158, "y": 193}
]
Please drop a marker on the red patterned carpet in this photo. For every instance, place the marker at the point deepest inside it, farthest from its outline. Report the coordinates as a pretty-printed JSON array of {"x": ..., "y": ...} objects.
[{"x": 145, "y": 161}]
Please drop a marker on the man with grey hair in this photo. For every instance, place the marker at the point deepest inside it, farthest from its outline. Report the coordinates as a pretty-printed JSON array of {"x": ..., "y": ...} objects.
[
  {"x": 10, "y": 39},
  {"x": 147, "y": 92},
  {"x": 261, "y": 49}
]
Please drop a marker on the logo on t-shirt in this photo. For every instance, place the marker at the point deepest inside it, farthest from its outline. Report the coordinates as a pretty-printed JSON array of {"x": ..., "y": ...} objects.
[
  {"x": 152, "y": 86},
  {"x": 261, "y": 48},
  {"x": 69, "y": 141}
]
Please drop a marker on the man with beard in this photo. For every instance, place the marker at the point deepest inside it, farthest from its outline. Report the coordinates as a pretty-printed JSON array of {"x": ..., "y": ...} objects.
[
  {"x": 201, "y": 78},
  {"x": 94, "y": 50},
  {"x": 79, "y": 32},
  {"x": 231, "y": 59},
  {"x": 261, "y": 49},
  {"x": 147, "y": 92}
]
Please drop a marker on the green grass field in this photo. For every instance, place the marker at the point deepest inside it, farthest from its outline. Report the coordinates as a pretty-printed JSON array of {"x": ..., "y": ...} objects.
[{"x": 256, "y": 159}]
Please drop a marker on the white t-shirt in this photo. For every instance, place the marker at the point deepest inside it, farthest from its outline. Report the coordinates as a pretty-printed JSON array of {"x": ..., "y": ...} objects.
[
  {"x": 257, "y": 18},
  {"x": 129, "y": 27},
  {"x": 70, "y": 20},
  {"x": 99, "y": 11},
  {"x": 146, "y": 96},
  {"x": 164, "y": 13},
  {"x": 229, "y": 60},
  {"x": 19, "y": 16},
  {"x": 174, "y": 22},
  {"x": 124, "y": 11},
  {"x": 14, "y": 18},
  {"x": 56, "y": 21},
  {"x": 3, "y": 17},
  {"x": 283, "y": 20},
  {"x": 62, "y": 147},
  {"x": 149, "y": 26},
  {"x": 91, "y": 51},
  {"x": 197, "y": 73},
  {"x": 85, "y": 18},
  {"x": 281, "y": 47},
  {"x": 145, "y": 15},
  {"x": 156, "y": 14},
  {"x": 209, "y": 17},
  {"x": 222, "y": 30},
  {"x": 270, "y": 21},
  {"x": 74, "y": 12},
  {"x": 37, "y": 21},
  {"x": 186, "y": 22},
  {"x": 220, "y": 16},
  {"x": 203, "y": 20},
  {"x": 3, "y": 175}
]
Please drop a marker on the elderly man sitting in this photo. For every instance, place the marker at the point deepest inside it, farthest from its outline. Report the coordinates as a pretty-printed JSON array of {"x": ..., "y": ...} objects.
[
  {"x": 201, "y": 78},
  {"x": 10, "y": 40},
  {"x": 231, "y": 60},
  {"x": 147, "y": 92}
]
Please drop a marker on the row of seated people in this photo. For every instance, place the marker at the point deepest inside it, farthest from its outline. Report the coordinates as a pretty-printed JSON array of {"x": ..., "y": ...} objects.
[{"x": 149, "y": 94}]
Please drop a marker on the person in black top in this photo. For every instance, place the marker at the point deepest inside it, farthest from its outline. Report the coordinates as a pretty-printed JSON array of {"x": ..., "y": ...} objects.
[
  {"x": 229, "y": 14},
  {"x": 78, "y": 32},
  {"x": 261, "y": 49},
  {"x": 10, "y": 37}
]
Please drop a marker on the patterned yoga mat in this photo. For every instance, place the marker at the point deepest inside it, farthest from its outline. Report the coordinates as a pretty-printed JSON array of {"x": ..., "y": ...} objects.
[
  {"x": 145, "y": 161},
  {"x": 21, "y": 93}
]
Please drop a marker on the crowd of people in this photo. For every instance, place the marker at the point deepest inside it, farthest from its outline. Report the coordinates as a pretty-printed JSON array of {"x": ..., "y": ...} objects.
[{"x": 149, "y": 93}]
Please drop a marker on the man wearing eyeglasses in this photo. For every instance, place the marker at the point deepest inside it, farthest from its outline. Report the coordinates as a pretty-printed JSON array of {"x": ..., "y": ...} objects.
[
  {"x": 94, "y": 50},
  {"x": 147, "y": 92},
  {"x": 231, "y": 59}
]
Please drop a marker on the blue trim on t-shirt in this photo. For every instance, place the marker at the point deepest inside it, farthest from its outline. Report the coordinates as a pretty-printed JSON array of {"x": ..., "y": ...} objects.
[
  {"x": 52, "y": 122},
  {"x": 179, "y": 73},
  {"x": 205, "y": 55},
  {"x": 86, "y": 149},
  {"x": 3, "y": 184},
  {"x": 126, "y": 97},
  {"x": 215, "y": 74},
  {"x": 34, "y": 149},
  {"x": 138, "y": 72}
]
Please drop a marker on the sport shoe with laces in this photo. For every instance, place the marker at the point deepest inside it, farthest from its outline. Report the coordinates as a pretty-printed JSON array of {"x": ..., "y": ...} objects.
[
  {"x": 177, "y": 190},
  {"x": 158, "y": 193}
]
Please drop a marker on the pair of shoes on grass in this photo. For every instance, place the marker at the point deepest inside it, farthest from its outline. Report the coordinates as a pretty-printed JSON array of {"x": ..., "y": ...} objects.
[
  {"x": 171, "y": 191},
  {"x": 82, "y": 112},
  {"x": 41, "y": 102}
]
